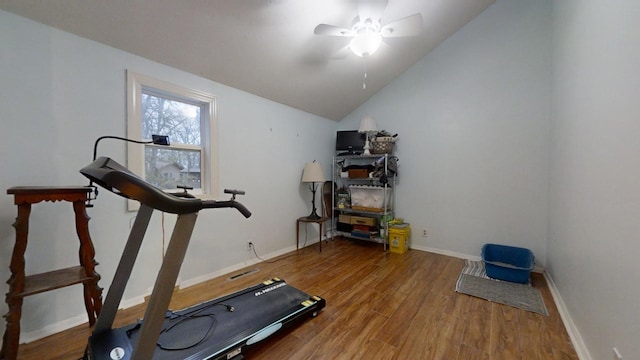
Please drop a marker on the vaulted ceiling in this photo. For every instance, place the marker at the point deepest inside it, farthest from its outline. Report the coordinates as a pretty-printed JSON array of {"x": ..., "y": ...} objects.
[{"x": 264, "y": 47}]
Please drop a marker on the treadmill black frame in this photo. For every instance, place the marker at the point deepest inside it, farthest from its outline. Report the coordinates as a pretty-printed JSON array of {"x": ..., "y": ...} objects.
[{"x": 108, "y": 343}]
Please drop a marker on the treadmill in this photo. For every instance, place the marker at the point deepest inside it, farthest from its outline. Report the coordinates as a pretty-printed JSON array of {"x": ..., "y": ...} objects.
[{"x": 217, "y": 329}]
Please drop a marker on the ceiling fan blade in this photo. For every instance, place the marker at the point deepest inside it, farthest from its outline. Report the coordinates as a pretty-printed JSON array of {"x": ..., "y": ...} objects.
[
  {"x": 342, "y": 53},
  {"x": 371, "y": 9},
  {"x": 408, "y": 26},
  {"x": 331, "y": 30}
]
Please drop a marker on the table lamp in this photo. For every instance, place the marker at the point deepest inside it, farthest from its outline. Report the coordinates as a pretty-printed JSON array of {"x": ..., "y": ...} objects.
[
  {"x": 368, "y": 126},
  {"x": 312, "y": 173}
]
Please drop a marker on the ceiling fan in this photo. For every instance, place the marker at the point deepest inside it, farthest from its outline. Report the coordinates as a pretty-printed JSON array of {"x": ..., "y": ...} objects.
[{"x": 366, "y": 32}]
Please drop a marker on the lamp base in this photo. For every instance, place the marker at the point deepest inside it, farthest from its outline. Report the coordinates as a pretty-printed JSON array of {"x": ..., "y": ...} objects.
[
  {"x": 367, "y": 147},
  {"x": 313, "y": 216}
]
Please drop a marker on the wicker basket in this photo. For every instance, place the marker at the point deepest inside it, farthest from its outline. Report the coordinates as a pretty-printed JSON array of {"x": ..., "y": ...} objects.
[{"x": 382, "y": 145}]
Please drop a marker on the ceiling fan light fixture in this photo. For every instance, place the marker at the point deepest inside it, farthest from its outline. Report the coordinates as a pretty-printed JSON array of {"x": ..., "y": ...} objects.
[
  {"x": 367, "y": 31},
  {"x": 366, "y": 42}
]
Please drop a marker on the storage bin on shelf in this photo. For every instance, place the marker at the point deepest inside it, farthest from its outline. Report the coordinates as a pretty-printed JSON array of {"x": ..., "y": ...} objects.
[
  {"x": 399, "y": 238},
  {"x": 382, "y": 145},
  {"x": 370, "y": 198},
  {"x": 508, "y": 263},
  {"x": 363, "y": 220},
  {"x": 358, "y": 173}
]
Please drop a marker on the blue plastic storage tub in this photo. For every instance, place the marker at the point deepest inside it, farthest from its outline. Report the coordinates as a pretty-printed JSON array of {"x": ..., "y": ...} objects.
[{"x": 507, "y": 263}]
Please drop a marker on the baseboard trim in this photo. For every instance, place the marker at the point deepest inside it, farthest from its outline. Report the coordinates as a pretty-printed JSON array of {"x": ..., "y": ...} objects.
[
  {"x": 194, "y": 281},
  {"x": 236, "y": 267},
  {"x": 574, "y": 334},
  {"x": 51, "y": 329},
  {"x": 447, "y": 253},
  {"x": 572, "y": 330},
  {"x": 537, "y": 268},
  {"x": 59, "y": 326},
  {"x": 66, "y": 324}
]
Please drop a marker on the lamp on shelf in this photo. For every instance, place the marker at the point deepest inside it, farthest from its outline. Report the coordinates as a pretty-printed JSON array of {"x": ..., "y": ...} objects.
[
  {"x": 368, "y": 126},
  {"x": 312, "y": 174}
]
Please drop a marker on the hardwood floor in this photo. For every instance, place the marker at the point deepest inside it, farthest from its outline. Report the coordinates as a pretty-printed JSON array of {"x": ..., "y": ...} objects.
[{"x": 379, "y": 306}]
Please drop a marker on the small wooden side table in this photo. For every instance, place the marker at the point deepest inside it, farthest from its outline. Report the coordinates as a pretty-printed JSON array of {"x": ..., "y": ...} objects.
[
  {"x": 22, "y": 285},
  {"x": 305, "y": 219}
]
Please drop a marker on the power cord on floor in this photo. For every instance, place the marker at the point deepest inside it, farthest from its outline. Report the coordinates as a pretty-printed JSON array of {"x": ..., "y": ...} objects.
[
  {"x": 183, "y": 317},
  {"x": 253, "y": 247}
]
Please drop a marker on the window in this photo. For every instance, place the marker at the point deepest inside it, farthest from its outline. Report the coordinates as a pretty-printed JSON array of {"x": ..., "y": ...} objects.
[{"x": 188, "y": 118}]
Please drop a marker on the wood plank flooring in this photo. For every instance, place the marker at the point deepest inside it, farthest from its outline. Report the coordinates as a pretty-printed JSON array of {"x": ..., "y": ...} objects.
[{"x": 379, "y": 306}]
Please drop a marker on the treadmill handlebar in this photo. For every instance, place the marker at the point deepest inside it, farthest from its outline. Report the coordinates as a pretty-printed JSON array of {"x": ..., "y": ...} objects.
[
  {"x": 224, "y": 204},
  {"x": 118, "y": 179}
]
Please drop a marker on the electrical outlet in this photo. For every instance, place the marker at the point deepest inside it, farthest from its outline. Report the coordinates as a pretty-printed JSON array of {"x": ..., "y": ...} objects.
[
  {"x": 249, "y": 246},
  {"x": 616, "y": 354},
  {"x": 424, "y": 232}
]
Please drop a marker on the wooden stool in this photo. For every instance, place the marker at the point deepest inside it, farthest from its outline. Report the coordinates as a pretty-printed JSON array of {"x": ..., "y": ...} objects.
[{"x": 21, "y": 285}]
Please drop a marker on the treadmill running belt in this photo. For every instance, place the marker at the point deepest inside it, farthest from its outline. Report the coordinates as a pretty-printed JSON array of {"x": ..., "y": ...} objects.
[{"x": 218, "y": 327}]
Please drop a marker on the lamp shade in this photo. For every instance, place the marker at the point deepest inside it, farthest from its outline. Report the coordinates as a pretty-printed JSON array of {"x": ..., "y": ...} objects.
[
  {"x": 368, "y": 124},
  {"x": 312, "y": 173}
]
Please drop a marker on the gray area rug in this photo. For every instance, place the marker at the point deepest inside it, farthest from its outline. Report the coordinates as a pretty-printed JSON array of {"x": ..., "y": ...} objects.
[
  {"x": 475, "y": 268},
  {"x": 474, "y": 281}
]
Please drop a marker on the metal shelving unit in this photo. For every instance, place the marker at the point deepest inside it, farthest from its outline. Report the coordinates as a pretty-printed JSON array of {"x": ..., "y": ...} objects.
[{"x": 385, "y": 214}]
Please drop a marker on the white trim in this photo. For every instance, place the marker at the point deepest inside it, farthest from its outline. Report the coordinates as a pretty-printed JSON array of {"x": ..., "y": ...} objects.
[
  {"x": 574, "y": 334},
  {"x": 536, "y": 268},
  {"x": 54, "y": 328},
  {"x": 51, "y": 329},
  {"x": 127, "y": 303},
  {"x": 135, "y": 152},
  {"x": 199, "y": 279},
  {"x": 572, "y": 330},
  {"x": 230, "y": 269},
  {"x": 66, "y": 324},
  {"x": 447, "y": 253}
]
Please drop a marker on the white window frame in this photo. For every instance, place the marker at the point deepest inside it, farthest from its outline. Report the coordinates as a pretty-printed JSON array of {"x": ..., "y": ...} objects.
[{"x": 135, "y": 152}]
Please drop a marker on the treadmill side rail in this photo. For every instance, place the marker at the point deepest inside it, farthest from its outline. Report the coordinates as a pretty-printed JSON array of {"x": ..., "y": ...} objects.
[{"x": 111, "y": 345}]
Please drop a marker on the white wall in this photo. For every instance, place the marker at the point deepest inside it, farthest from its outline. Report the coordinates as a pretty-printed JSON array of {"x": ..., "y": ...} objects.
[
  {"x": 595, "y": 173},
  {"x": 59, "y": 92},
  {"x": 531, "y": 92},
  {"x": 479, "y": 141},
  {"x": 473, "y": 124}
]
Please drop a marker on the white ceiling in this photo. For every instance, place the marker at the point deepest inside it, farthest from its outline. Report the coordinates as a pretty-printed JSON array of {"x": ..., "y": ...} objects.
[{"x": 264, "y": 47}]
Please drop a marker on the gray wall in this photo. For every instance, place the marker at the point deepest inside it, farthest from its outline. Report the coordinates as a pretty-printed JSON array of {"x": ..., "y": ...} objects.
[
  {"x": 520, "y": 129},
  {"x": 59, "y": 93},
  {"x": 595, "y": 171},
  {"x": 473, "y": 124}
]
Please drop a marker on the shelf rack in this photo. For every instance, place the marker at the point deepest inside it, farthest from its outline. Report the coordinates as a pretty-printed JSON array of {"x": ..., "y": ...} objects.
[{"x": 387, "y": 211}]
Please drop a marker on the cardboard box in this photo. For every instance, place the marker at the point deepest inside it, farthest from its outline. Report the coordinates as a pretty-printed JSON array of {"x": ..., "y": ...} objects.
[
  {"x": 358, "y": 173},
  {"x": 365, "y": 228},
  {"x": 344, "y": 219},
  {"x": 361, "y": 220}
]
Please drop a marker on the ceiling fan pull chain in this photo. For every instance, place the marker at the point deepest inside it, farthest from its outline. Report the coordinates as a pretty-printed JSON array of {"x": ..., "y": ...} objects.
[{"x": 364, "y": 77}]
